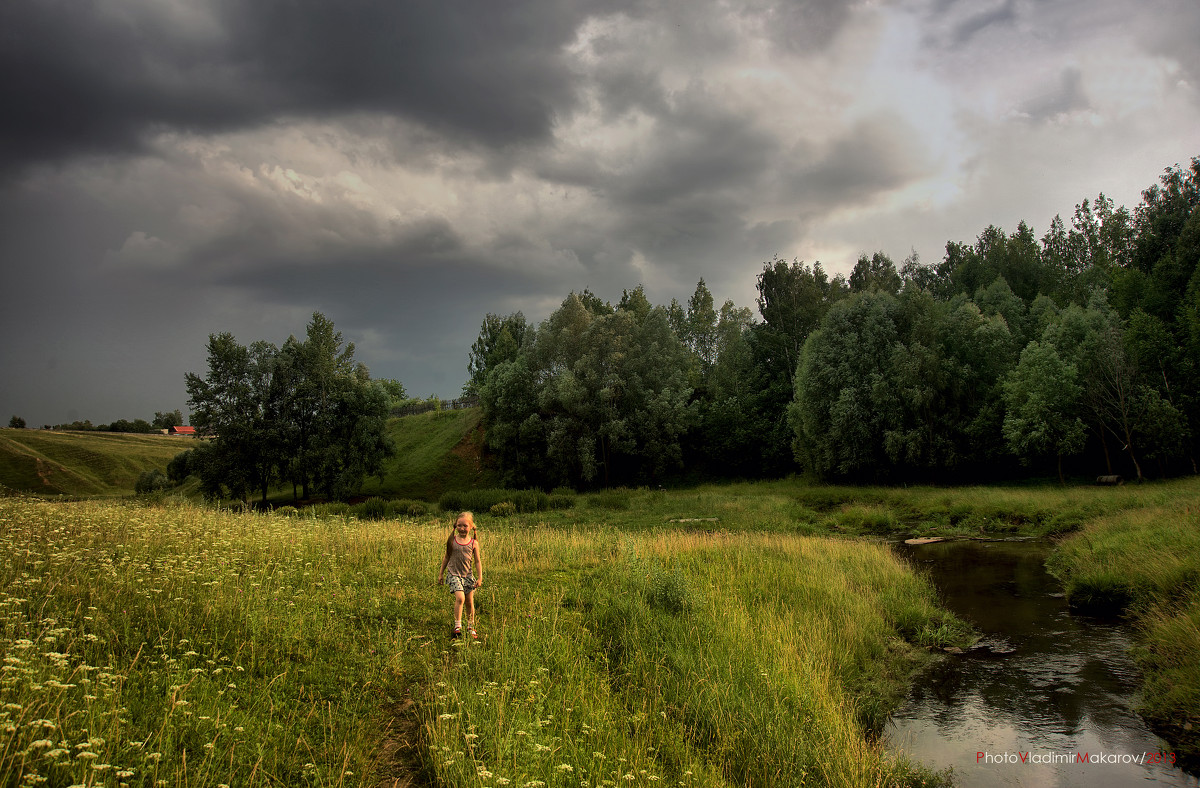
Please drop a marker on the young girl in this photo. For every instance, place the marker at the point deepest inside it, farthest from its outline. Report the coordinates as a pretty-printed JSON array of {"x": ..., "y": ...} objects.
[{"x": 462, "y": 551}]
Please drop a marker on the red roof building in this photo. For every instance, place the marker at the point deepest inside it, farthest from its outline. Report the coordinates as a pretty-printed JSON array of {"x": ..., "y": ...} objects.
[{"x": 182, "y": 431}]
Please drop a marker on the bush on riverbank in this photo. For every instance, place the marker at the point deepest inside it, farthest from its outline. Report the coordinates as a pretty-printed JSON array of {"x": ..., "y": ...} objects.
[{"x": 1147, "y": 564}]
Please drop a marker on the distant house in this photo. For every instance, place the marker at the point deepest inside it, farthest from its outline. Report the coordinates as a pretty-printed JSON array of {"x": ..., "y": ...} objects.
[{"x": 182, "y": 431}]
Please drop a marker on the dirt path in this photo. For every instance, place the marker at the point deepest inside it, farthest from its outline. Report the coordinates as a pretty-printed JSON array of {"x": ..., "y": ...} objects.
[{"x": 401, "y": 765}]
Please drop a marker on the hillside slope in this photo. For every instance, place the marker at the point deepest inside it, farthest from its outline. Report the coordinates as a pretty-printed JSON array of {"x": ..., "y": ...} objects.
[
  {"x": 47, "y": 462},
  {"x": 435, "y": 452}
]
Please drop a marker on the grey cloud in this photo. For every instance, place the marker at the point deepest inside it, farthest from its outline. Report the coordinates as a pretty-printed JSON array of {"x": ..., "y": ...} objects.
[
  {"x": 875, "y": 156},
  {"x": 1065, "y": 97},
  {"x": 1173, "y": 32},
  {"x": 964, "y": 31},
  {"x": 95, "y": 79}
]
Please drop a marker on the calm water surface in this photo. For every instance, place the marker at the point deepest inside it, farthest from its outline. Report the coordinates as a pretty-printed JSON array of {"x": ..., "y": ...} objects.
[{"x": 1043, "y": 689}]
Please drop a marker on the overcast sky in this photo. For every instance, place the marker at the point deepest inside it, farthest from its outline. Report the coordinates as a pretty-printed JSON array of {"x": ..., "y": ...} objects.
[{"x": 175, "y": 168}]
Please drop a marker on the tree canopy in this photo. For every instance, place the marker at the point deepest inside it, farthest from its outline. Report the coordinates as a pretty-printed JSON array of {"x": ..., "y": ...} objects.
[
  {"x": 1077, "y": 350},
  {"x": 305, "y": 414}
]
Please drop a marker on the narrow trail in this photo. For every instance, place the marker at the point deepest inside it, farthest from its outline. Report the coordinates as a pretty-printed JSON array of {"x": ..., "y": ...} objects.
[{"x": 401, "y": 765}]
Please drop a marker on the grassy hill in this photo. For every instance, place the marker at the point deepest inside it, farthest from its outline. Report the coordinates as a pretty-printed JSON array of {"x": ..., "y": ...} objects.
[
  {"x": 435, "y": 452},
  {"x": 47, "y": 462}
]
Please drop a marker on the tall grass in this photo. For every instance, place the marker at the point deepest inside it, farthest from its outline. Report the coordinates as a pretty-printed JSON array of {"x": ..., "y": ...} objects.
[
  {"x": 179, "y": 646},
  {"x": 1146, "y": 563},
  {"x": 701, "y": 660},
  {"x": 192, "y": 647}
]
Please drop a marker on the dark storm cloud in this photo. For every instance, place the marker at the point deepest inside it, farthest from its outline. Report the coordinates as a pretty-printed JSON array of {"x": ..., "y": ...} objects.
[{"x": 97, "y": 77}]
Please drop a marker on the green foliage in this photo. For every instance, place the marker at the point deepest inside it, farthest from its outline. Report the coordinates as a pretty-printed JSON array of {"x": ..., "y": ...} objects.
[
  {"x": 597, "y": 397},
  {"x": 877, "y": 272},
  {"x": 372, "y": 509},
  {"x": 140, "y": 426},
  {"x": 668, "y": 590},
  {"x": 502, "y": 509},
  {"x": 286, "y": 511},
  {"x": 166, "y": 420},
  {"x": 404, "y": 507},
  {"x": 151, "y": 481},
  {"x": 305, "y": 414},
  {"x": 523, "y": 501},
  {"x": 500, "y": 339},
  {"x": 16, "y": 423},
  {"x": 841, "y": 383},
  {"x": 179, "y": 468},
  {"x": 618, "y": 499},
  {"x": 1041, "y": 400}
]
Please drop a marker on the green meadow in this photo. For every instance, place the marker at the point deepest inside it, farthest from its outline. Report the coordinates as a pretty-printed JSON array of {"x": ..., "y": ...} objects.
[
  {"x": 746, "y": 635},
  {"x": 180, "y": 645},
  {"x": 723, "y": 634},
  {"x": 1147, "y": 562}
]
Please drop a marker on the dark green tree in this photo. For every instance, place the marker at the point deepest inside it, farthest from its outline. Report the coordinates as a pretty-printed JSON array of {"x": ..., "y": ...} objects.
[
  {"x": 16, "y": 423},
  {"x": 499, "y": 340},
  {"x": 876, "y": 272},
  {"x": 599, "y": 397},
  {"x": 306, "y": 413},
  {"x": 167, "y": 419},
  {"x": 836, "y": 415},
  {"x": 235, "y": 406},
  {"x": 1041, "y": 398}
]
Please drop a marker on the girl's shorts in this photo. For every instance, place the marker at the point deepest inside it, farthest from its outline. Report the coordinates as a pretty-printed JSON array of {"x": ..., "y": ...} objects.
[{"x": 458, "y": 583}]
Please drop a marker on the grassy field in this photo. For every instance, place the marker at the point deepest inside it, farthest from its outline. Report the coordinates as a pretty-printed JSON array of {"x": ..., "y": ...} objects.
[
  {"x": 1147, "y": 562},
  {"x": 180, "y": 646},
  {"x": 736, "y": 634},
  {"x": 48, "y": 462}
]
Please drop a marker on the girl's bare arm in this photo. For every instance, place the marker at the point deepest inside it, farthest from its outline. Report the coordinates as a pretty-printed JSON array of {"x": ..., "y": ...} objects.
[{"x": 445, "y": 560}]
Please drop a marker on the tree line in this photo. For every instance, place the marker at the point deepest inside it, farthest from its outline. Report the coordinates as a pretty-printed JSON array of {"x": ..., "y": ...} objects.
[
  {"x": 163, "y": 420},
  {"x": 1073, "y": 352},
  {"x": 305, "y": 414}
]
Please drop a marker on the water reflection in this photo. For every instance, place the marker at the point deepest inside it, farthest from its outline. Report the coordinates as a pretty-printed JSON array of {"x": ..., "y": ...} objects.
[{"x": 1044, "y": 700}]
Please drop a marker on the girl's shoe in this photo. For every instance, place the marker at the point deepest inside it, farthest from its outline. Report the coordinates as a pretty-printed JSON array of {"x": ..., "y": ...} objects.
[
  {"x": 457, "y": 632},
  {"x": 474, "y": 634}
]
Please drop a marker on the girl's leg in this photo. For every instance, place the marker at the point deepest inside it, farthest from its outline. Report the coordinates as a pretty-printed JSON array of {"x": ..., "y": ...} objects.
[
  {"x": 458, "y": 607},
  {"x": 470, "y": 603}
]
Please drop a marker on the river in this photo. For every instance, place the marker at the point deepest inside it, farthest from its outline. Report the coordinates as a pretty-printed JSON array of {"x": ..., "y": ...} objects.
[{"x": 1044, "y": 701}]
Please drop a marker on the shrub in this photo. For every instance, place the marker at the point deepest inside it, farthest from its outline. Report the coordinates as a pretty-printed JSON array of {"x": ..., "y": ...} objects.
[
  {"x": 503, "y": 509},
  {"x": 664, "y": 589},
  {"x": 860, "y": 517},
  {"x": 334, "y": 509},
  {"x": 483, "y": 500},
  {"x": 373, "y": 509},
  {"x": 617, "y": 499},
  {"x": 179, "y": 468},
  {"x": 151, "y": 481},
  {"x": 287, "y": 511},
  {"x": 410, "y": 508},
  {"x": 560, "y": 501}
]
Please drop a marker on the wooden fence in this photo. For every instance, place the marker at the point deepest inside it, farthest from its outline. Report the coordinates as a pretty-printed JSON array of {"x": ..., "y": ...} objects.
[{"x": 414, "y": 408}]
